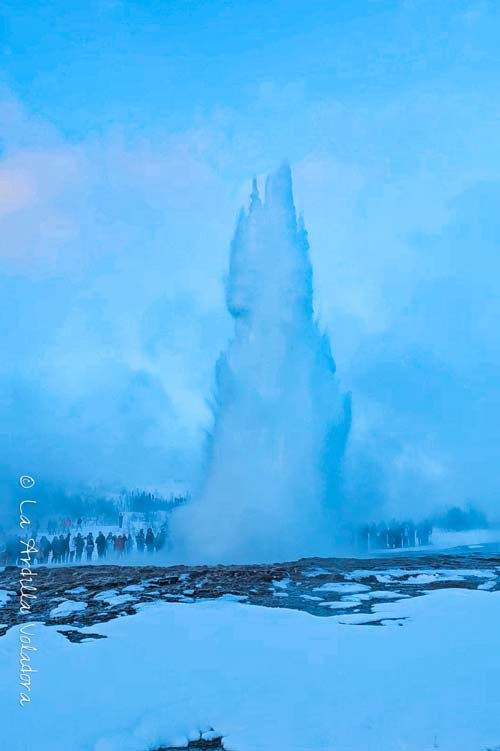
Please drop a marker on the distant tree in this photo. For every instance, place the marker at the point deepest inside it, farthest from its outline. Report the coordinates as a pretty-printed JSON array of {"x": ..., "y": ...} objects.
[{"x": 458, "y": 519}]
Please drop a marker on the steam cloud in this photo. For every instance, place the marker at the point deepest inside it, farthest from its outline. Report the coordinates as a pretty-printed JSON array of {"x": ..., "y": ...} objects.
[{"x": 272, "y": 489}]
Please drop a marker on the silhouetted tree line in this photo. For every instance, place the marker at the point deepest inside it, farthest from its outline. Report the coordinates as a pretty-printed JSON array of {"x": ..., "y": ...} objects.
[
  {"x": 457, "y": 519},
  {"x": 143, "y": 502}
]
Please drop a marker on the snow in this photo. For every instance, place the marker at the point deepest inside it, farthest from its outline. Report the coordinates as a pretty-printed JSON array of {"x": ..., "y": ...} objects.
[
  {"x": 5, "y": 595},
  {"x": 339, "y": 605},
  {"x": 473, "y": 538},
  {"x": 281, "y": 583},
  {"x": 111, "y": 597},
  {"x": 106, "y": 595},
  {"x": 422, "y": 576},
  {"x": 76, "y": 591},
  {"x": 118, "y": 599},
  {"x": 341, "y": 588},
  {"x": 487, "y": 585},
  {"x": 66, "y": 607},
  {"x": 310, "y": 597},
  {"x": 266, "y": 679}
]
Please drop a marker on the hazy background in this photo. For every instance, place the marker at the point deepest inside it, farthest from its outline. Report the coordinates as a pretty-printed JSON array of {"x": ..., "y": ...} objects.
[{"x": 129, "y": 132}]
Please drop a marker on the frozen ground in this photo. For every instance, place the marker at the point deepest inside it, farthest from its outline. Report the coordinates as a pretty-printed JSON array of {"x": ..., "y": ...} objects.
[
  {"x": 155, "y": 658},
  {"x": 266, "y": 680}
]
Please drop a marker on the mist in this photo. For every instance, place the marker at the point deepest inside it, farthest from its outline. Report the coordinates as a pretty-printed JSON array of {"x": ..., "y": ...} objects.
[{"x": 273, "y": 485}]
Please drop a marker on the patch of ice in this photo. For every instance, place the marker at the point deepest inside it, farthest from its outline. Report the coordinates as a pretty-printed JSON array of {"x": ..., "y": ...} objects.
[
  {"x": 76, "y": 591},
  {"x": 488, "y": 585},
  {"x": 342, "y": 588},
  {"x": 5, "y": 595},
  {"x": 66, "y": 608},
  {"x": 311, "y": 597},
  {"x": 281, "y": 583},
  {"x": 106, "y": 594},
  {"x": 118, "y": 600},
  {"x": 233, "y": 598},
  {"x": 312, "y": 572},
  {"x": 383, "y": 594},
  {"x": 422, "y": 579}
]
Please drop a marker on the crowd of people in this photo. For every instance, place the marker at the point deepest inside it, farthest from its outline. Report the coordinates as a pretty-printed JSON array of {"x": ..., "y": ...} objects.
[
  {"x": 396, "y": 534},
  {"x": 75, "y": 548},
  {"x": 65, "y": 541}
]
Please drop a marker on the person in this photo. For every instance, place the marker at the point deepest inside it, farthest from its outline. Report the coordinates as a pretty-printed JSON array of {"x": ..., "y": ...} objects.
[
  {"x": 382, "y": 535},
  {"x": 160, "y": 539},
  {"x": 393, "y": 534},
  {"x": 150, "y": 540},
  {"x": 66, "y": 548},
  {"x": 55, "y": 549},
  {"x": 100, "y": 542},
  {"x": 79, "y": 545},
  {"x": 120, "y": 520},
  {"x": 424, "y": 531},
  {"x": 61, "y": 546},
  {"x": 363, "y": 536},
  {"x": 140, "y": 541},
  {"x": 411, "y": 534},
  {"x": 129, "y": 543},
  {"x": 110, "y": 544},
  {"x": 44, "y": 549},
  {"x": 119, "y": 545},
  {"x": 79, "y": 522},
  {"x": 72, "y": 549},
  {"x": 89, "y": 547}
]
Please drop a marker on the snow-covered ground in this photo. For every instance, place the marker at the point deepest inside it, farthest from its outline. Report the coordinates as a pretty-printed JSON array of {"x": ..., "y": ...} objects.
[
  {"x": 444, "y": 539},
  {"x": 266, "y": 679}
]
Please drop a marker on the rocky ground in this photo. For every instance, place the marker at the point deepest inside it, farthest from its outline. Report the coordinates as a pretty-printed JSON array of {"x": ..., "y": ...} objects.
[{"x": 73, "y": 597}]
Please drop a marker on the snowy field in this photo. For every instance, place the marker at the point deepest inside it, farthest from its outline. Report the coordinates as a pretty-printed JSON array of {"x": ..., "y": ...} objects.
[{"x": 266, "y": 679}]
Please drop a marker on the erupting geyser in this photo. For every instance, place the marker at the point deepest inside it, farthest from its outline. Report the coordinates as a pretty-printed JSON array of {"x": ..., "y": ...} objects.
[{"x": 272, "y": 483}]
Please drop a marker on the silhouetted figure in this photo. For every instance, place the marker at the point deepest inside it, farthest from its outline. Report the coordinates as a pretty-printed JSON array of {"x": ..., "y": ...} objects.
[
  {"x": 110, "y": 544},
  {"x": 140, "y": 541},
  {"x": 382, "y": 541},
  {"x": 44, "y": 548},
  {"x": 119, "y": 545},
  {"x": 55, "y": 549},
  {"x": 65, "y": 547},
  {"x": 160, "y": 539},
  {"x": 100, "y": 542},
  {"x": 392, "y": 534},
  {"x": 424, "y": 531},
  {"x": 79, "y": 545},
  {"x": 150, "y": 540},
  {"x": 89, "y": 546}
]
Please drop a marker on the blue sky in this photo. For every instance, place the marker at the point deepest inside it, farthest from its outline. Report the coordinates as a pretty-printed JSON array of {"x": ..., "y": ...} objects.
[{"x": 129, "y": 132}]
